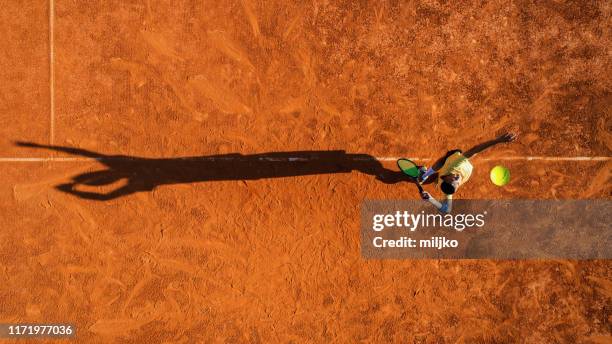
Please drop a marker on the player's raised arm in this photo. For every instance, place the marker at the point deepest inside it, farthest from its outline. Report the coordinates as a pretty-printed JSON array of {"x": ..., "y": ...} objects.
[{"x": 505, "y": 138}]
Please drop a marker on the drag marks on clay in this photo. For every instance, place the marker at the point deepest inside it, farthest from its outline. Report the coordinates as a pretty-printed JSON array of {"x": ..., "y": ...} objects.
[
  {"x": 604, "y": 286},
  {"x": 161, "y": 45},
  {"x": 600, "y": 181},
  {"x": 287, "y": 35},
  {"x": 107, "y": 290},
  {"x": 23, "y": 192},
  {"x": 169, "y": 294},
  {"x": 138, "y": 73},
  {"x": 294, "y": 106},
  {"x": 208, "y": 86},
  {"x": 185, "y": 99},
  {"x": 80, "y": 219},
  {"x": 221, "y": 96},
  {"x": 248, "y": 11},
  {"x": 604, "y": 132},
  {"x": 147, "y": 278},
  {"x": 123, "y": 326},
  {"x": 304, "y": 58},
  {"x": 225, "y": 45},
  {"x": 180, "y": 266}
]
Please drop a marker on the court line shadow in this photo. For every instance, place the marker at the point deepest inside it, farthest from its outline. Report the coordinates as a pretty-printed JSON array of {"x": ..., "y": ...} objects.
[{"x": 144, "y": 174}]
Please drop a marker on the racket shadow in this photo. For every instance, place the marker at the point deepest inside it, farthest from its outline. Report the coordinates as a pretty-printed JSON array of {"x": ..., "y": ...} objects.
[{"x": 145, "y": 174}]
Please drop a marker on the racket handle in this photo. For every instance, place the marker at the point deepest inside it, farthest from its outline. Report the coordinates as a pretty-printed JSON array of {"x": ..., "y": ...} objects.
[{"x": 419, "y": 186}]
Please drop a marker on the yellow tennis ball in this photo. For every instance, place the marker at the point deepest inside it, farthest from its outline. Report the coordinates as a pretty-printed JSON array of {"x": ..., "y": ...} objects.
[{"x": 500, "y": 175}]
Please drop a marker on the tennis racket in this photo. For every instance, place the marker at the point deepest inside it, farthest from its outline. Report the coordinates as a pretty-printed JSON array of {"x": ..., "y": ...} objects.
[{"x": 410, "y": 169}]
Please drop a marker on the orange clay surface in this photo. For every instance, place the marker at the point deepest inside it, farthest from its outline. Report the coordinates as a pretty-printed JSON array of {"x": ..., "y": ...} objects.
[{"x": 181, "y": 259}]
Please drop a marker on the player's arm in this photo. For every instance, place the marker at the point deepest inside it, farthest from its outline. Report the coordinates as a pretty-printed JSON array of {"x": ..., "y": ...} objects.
[
  {"x": 69, "y": 150},
  {"x": 445, "y": 207},
  {"x": 505, "y": 138}
]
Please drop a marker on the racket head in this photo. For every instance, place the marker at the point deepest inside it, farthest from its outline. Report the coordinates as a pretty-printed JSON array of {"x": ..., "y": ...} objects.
[{"x": 408, "y": 167}]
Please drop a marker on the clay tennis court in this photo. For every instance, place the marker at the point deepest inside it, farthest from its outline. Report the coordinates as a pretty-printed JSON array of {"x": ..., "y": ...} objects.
[{"x": 163, "y": 100}]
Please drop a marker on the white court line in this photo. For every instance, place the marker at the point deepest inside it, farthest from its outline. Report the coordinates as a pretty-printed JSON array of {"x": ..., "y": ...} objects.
[
  {"x": 47, "y": 159},
  {"x": 512, "y": 158},
  {"x": 51, "y": 71}
]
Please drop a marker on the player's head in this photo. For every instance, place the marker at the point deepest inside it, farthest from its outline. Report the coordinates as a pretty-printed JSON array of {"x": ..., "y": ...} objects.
[{"x": 450, "y": 183}]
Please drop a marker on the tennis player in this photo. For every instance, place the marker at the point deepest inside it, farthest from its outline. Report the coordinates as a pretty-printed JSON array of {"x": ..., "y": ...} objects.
[{"x": 453, "y": 170}]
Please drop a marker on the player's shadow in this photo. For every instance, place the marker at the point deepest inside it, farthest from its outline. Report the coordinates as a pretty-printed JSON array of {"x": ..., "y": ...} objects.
[{"x": 138, "y": 174}]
